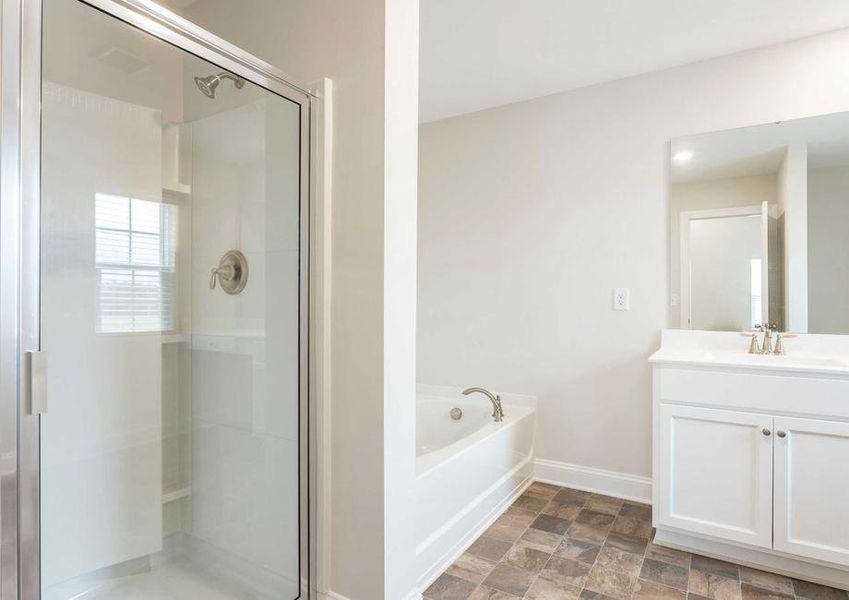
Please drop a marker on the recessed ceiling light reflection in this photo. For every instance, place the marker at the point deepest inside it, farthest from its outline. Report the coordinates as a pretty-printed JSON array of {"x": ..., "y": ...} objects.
[{"x": 682, "y": 156}]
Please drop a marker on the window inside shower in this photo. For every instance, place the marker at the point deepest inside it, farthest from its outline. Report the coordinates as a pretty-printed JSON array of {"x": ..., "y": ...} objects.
[{"x": 170, "y": 315}]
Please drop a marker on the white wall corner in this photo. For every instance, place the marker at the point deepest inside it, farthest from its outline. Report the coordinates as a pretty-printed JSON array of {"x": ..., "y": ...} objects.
[
  {"x": 400, "y": 154},
  {"x": 321, "y": 282},
  {"x": 590, "y": 479}
]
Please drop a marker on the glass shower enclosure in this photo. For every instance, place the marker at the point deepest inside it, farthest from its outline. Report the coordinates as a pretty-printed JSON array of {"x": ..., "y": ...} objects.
[{"x": 162, "y": 336}]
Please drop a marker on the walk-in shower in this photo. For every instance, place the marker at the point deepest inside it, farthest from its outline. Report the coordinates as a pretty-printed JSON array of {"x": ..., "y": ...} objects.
[
  {"x": 208, "y": 84},
  {"x": 163, "y": 453}
]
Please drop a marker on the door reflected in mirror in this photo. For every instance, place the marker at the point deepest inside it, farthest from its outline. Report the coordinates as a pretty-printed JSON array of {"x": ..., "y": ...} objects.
[{"x": 759, "y": 221}]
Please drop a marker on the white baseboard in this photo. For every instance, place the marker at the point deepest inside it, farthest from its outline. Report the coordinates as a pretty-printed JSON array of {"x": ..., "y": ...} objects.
[
  {"x": 413, "y": 595},
  {"x": 590, "y": 479}
]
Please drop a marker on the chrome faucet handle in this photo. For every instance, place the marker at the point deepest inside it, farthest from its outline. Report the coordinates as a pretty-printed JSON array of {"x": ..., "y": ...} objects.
[
  {"x": 779, "y": 345},
  {"x": 753, "y": 344}
]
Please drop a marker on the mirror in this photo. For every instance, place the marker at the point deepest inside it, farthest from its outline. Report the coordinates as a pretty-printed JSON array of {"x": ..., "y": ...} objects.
[{"x": 759, "y": 227}]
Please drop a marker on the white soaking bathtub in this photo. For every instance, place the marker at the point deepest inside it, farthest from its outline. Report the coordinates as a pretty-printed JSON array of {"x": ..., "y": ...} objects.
[{"x": 467, "y": 470}]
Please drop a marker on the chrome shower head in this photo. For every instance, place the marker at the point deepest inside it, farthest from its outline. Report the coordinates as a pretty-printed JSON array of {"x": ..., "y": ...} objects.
[{"x": 208, "y": 84}]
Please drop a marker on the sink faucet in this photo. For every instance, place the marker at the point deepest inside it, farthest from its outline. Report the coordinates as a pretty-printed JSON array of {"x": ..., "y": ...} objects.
[
  {"x": 497, "y": 411},
  {"x": 767, "y": 347}
]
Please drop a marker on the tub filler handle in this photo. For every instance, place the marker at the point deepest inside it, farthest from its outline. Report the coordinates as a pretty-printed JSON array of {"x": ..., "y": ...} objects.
[{"x": 497, "y": 411}]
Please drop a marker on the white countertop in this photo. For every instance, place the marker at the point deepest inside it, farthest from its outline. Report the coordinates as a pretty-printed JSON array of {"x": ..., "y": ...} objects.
[{"x": 814, "y": 354}]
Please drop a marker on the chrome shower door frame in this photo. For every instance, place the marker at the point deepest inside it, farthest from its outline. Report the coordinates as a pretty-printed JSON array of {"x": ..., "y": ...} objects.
[{"x": 20, "y": 243}]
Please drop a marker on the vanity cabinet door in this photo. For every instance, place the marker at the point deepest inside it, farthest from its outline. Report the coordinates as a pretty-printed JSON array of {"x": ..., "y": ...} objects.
[
  {"x": 716, "y": 473},
  {"x": 812, "y": 488}
]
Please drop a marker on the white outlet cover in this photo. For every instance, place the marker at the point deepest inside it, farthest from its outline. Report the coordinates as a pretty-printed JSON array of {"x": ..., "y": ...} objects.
[{"x": 621, "y": 299}]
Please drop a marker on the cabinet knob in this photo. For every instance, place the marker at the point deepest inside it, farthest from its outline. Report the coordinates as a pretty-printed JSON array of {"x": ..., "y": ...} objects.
[
  {"x": 766, "y": 431},
  {"x": 781, "y": 434}
]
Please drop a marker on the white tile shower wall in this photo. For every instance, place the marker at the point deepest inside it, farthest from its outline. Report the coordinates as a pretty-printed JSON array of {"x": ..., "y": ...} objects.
[
  {"x": 244, "y": 347},
  {"x": 530, "y": 213},
  {"x": 101, "y": 439}
]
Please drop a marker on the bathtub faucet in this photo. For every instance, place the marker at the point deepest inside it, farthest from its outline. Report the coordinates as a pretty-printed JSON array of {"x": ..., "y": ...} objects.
[{"x": 497, "y": 411}]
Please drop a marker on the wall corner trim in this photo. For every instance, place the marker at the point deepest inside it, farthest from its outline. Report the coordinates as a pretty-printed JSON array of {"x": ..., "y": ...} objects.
[{"x": 591, "y": 479}]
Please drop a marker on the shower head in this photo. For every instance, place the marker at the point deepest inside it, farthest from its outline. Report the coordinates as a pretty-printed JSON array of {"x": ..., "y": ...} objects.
[{"x": 208, "y": 84}]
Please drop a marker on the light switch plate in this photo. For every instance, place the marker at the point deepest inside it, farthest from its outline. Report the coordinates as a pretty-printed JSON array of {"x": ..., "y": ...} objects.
[{"x": 621, "y": 299}]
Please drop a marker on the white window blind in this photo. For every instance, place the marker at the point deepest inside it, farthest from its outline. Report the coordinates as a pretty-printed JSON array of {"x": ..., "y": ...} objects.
[{"x": 135, "y": 256}]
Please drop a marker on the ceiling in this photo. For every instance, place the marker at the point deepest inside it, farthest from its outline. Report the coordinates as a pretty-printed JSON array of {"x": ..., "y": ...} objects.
[
  {"x": 760, "y": 150},
  {"x": 477, "y": 54}
]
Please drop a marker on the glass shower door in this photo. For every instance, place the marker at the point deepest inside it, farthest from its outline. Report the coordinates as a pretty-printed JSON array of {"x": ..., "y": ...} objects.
[{"x": 172, "y": 217}]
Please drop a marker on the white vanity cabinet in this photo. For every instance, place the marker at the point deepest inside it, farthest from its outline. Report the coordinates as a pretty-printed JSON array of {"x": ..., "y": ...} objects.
[
  {"x": 811, "y": 487},
  {"x": 751, "y": 460},
  {"x": 716, "y": 473}
]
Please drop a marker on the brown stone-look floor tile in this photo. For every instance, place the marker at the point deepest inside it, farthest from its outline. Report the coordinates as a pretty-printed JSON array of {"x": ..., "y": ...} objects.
[
  {"x": 611, "y": 582},
  {"x": 543, "y": 589},
  {"x": 750, "y": 592},
  {"x": 519, "y": 516},
  {"x": 563, "y": 510},
  {"x": 470, "y": 567},
  {"x": 591, "y": 595},
  {"x": 541, "y": 489},
  {"x": 632, "y": 526},
  {"x": 487, "y": 593},
  {"x": 511, "y": 525},
  {"x": 510, "y": 579},
  {"x": 604, "y": 504},
  {"x": 596, "y": 519},
  {"x": 668, "y": 555},
  {"x": 579, "y": 550},
  {"x": 635, "y": 509},
  {"x": 544, "y": 541},
  {"x": 814, "y": 591},
  {"x": 628, "y": 543},
  {"x": 525, "y": 557},
  {"x": 489, "y": 548},
  {"x": 551, "y": 524},
  {"x": 692, "y": 596},
  {"x": 767, "y": 581},
  {"x": 565, "y": 571},
  {"x": 619, "y": 560},
  {"x": 650, "y": 590},
  {"x": 587, "y": 533},
  {"x": 665, "y": 574},
  {"x": 717, "y": 567},
  {"x": 570, "y": 495},
  {"x": 713, "y": 586},
  {"x": 448, "y": 587},
  {"x": 531, "y": 502}
]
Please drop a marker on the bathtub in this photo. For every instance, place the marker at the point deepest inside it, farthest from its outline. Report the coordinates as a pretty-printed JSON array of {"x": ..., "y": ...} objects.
[{"x": 467, "y": 470}]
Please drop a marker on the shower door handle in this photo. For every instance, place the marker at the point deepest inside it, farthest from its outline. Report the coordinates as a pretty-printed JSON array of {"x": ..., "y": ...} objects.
[{"x": 37, "y": 383}]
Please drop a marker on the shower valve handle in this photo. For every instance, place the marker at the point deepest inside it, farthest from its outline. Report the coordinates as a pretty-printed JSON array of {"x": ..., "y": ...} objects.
[{"x": 216, "y": 273}]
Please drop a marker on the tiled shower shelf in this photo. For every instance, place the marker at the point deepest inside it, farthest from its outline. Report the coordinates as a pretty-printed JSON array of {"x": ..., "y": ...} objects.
[
  {"x": 176, "y": 494},
  {"x": 176, "y": 337}
]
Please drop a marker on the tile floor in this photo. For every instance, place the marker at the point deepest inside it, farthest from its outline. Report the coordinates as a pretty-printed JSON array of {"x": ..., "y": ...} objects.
[{"x": 558, "y": 543}]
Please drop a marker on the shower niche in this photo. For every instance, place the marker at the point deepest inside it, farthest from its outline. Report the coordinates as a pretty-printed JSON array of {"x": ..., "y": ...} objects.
[{"x": 172, "y": 442}]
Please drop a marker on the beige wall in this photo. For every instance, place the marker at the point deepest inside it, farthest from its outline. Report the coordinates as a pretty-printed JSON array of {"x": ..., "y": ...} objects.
[
  {"x": 369, "y": 50},
  {"x": 702, "y": 195},
  {"x": 531, "y": 213},
  {"x": 828, "y": 250}
]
